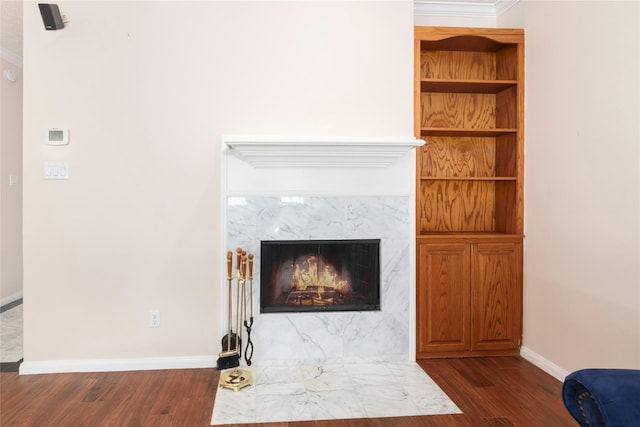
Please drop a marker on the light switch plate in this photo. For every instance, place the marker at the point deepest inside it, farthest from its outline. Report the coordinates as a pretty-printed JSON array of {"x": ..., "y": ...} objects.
[{"x": 56, "y": 170}]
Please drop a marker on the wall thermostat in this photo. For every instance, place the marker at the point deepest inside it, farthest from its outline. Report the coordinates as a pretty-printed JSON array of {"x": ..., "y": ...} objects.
[{"x": 57, "y": 136}]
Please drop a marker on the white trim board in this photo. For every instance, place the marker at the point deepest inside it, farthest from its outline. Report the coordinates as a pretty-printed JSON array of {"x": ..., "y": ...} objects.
[
  {"x": 10, "y": 298},
  {"x": 197, "y": 362},
  {"x": 11, "y": 57},
  {"x": 543, "y": 363},
  {"x": 114, "y": 365}
]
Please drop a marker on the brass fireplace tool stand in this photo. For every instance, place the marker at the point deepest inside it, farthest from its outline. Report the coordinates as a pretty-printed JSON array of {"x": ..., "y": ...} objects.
[{"x": 236, "y": 378}]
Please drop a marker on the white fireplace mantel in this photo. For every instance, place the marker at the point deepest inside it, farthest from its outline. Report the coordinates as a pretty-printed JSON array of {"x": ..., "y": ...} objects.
[{"x": 320, "y": 152}]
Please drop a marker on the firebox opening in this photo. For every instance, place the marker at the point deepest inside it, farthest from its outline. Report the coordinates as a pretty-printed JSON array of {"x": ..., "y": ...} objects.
[{"x": 319, "y": 275}]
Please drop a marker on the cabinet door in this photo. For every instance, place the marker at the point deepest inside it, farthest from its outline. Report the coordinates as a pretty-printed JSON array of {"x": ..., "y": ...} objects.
[
  {"x": 496, "y": 296},
  {"x": 443, "y": 298}
]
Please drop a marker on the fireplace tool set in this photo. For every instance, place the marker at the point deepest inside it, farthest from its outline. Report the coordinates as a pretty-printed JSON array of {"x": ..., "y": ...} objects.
[{"x": 234, "y": 377}]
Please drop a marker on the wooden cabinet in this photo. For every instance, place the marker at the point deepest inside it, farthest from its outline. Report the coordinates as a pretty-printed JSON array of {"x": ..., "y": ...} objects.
[
  {"x": 469, "y": 98},
  {"x": 469, "y": 298}
]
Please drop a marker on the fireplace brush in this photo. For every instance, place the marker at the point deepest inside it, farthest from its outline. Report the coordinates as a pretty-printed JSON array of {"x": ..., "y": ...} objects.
[{"x": 229, "y": 357}]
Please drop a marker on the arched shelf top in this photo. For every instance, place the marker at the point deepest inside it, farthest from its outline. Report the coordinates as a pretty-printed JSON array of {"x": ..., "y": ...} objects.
[
  {"x": 467, "y": 39},
  {"x": 464, "y": 43}
]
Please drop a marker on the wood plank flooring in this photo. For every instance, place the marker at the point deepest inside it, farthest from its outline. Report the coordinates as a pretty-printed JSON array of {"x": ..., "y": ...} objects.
[{"x": 491, "y": 392}]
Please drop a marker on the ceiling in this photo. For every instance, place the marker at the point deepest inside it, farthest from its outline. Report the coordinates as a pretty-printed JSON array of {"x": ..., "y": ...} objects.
[{"x": 11, "y": 18}]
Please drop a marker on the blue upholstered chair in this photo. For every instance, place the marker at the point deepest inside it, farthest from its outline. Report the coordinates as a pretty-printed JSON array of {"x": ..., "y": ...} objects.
[{"x": 603, "y": 397}]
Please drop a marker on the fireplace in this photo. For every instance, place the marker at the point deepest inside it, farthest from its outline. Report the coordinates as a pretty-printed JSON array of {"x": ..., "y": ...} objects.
[
  {"x": 305, "y": 195},
  {"x": 319, "y": 275}
]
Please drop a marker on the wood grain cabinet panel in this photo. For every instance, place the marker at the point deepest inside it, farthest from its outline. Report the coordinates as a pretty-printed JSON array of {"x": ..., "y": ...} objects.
[
  {"x": 443, "y": 296},
  {"x": 496, "y": 296}
]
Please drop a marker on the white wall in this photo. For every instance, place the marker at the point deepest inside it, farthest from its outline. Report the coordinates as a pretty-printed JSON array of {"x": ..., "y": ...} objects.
[
  {"x": 582, "y": 279},
  {"x": 146, "y": 89},
  {"x": 11, "y": 194}
]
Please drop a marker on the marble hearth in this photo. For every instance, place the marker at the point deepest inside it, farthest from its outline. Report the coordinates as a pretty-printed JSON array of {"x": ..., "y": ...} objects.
[{"x": 330, "y": 201}]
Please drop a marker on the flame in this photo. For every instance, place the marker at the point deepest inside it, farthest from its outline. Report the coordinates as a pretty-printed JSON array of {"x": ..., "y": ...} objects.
[{"x": 308, "y": 276}]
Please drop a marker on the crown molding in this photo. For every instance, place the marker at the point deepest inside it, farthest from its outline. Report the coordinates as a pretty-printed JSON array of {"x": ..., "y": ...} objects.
[
  {"x": 457, "y": 8},
  {"x": 319, "y": 152},
  {"x": 503, "y": 5},
  {"x": 447, "y": 8},
  {"x": 11, "y": 57}
]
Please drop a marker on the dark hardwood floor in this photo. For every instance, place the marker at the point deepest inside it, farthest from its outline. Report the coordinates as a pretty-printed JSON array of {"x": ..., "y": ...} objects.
[{"x": 491, "y": 392}]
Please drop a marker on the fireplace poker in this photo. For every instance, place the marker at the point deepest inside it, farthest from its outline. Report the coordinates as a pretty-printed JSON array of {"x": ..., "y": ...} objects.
[
  {"x": 248, "y": 352},
  {"x": 229, "y": 357},
  {"x": 241, "y": 302}
]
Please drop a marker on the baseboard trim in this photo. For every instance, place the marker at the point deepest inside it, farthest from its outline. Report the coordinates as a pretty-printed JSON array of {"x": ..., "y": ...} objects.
[
  {"x": 543, "y": 363},
  {"x": 11, "y": 298},
  {"x": 114, "y": 365}
]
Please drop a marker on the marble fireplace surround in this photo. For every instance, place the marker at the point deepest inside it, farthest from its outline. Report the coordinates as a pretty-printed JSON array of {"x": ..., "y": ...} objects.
[{"x": 326, "y": 188}]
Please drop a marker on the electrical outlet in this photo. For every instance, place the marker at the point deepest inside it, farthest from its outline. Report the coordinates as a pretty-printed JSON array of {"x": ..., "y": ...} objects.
[{"x": 154, "y": 319}]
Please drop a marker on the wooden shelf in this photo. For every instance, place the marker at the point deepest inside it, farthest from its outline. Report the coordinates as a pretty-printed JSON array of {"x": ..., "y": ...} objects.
[
  {"x": 468, "y": 235},
  {"x": 431, "y": 131},
  {"x": 465, "y": 86},
  {"x": 468, "y": 178}
]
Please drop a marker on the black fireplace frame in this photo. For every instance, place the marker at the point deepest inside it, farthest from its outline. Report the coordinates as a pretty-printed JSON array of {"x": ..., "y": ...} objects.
[{"x": 364, "y": 275}]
